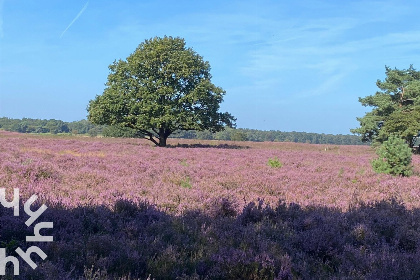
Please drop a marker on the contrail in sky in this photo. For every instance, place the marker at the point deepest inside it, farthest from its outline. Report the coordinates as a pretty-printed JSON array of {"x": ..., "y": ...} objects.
[{"x": 78, "y": 15}]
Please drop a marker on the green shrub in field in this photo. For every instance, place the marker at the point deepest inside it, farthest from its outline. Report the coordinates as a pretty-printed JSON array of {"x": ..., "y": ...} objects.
[
  {"x": 274, "y": 162},
  {"x": 185, "y": 183},
  {"x": 394, "y": 157}
]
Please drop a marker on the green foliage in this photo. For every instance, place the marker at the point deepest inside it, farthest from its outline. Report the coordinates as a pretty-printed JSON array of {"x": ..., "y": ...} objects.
[
  {"x": 85, "y": 127},
  {"x": 185, "y": 183},
  {"x": 205, "y": 135},
  {"x": 394, "y": 157},
  {"x": 160, "y": 88},
  {"x": 274, "y": 162},
  {"x": 27, "y": 125},
  {"x": 238, "y": 134},
  {"x": 244, "y": 134},
  {"x": 117, "y": 131},
  {"x": 405, "y": 123},
  {"x": 396, "y": 107}
]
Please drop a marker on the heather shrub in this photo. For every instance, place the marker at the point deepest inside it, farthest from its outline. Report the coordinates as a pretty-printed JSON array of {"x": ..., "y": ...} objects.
[
  {"x": 252, "y": 213},
  {"x": 379, "y": 240},
  {"x": 117, "y": 215},
  {"x": 92, "y": 274},
  {"x": 125, "y": 207},
  {"x": 222, "y": 207},
  {"x": 394, "y": 157},
  {"x": 34, "y": 170}
]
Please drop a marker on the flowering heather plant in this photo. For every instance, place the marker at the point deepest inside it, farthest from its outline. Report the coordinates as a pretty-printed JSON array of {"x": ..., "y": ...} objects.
[{"x": 120, "y": 211}]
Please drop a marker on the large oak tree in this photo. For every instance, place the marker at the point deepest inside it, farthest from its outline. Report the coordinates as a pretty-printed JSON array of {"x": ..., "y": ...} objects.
[
  {"x": 163, "y": 86},
  {"x": 396, "y": 107}
]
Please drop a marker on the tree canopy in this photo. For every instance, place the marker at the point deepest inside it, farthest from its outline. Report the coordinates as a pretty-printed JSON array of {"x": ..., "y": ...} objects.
[
  {"x": 396, "y": 107},
  {"x": 163, "y": 86}
]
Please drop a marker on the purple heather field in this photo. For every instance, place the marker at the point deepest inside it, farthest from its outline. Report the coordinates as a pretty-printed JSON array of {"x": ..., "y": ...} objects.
[{"x": 124, "y": 209}]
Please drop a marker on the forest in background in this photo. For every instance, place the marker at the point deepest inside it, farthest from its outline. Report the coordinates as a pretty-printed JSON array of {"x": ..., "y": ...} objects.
[{"x": 84, "y": 127}]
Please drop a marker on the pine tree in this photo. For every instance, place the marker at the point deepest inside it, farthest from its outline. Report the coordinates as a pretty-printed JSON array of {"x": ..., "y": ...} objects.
[{"x": 394, "y": 157}]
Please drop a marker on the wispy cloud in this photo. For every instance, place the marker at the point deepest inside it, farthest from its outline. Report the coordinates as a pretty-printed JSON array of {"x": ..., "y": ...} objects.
[
  {"x": 74, "y": 20},
  {"x": 305, "y": 55},
  {"x": 315, "y": 56}
]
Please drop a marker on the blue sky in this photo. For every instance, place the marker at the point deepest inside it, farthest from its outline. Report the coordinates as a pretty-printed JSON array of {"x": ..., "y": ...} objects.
[{"x": 285, "y": 65}]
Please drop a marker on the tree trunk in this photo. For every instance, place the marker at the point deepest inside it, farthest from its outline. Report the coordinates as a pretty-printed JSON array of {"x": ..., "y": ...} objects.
[
  {"x": 162, "y": 141},
  {"x": 162, "y": 137}
]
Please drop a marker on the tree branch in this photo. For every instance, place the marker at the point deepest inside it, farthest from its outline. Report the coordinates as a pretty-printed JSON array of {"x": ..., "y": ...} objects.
[
  {"x": 149, "y": 136},
  {"x": 152, "y": 139}
]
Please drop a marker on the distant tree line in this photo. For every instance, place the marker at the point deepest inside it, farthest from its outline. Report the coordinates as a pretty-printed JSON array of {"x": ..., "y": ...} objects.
[
  {"x": 85, "y": 127},
  {"x": 26, "y": 125},
  {"x": 241, "y": 134}
]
